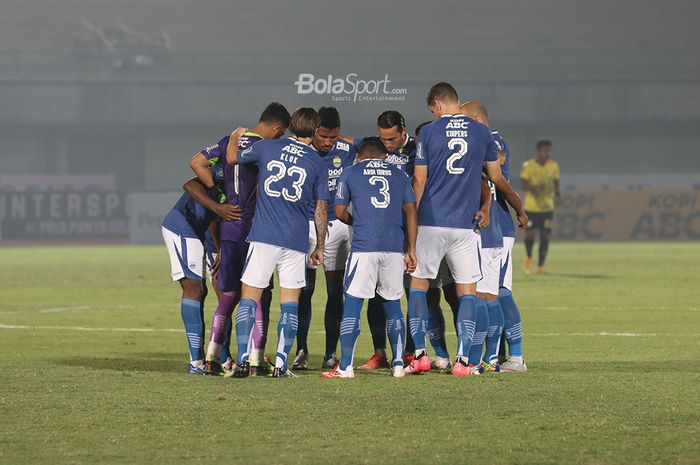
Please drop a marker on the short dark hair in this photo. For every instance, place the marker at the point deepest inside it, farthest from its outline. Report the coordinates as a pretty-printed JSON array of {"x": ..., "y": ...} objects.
[
  {"x": 275, "y": 112},
  {"x": 543, "y": 143},
  {"x": 391, "y": 118},
  {"x": 442, "y": 91},
  {"x": 371, "y": 146},
  {"x": 330, "y": 118},
  {"x": 304, "y": 122},
  {"x": 419, "y": 127}
]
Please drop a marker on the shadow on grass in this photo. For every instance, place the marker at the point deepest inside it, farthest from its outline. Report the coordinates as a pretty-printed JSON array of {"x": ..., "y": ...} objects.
[
  {"x": 154, "y": 362},
  {"x": 684, "y": 366},
  {"x": 580, "y": 276}
]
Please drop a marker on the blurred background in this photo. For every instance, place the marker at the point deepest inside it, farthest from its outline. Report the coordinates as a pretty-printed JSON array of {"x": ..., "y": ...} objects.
[{"x": 102, "y": 102}]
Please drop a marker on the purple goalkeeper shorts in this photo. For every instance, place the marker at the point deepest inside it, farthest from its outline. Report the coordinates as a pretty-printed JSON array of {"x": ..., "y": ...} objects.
[{"x": 233, "y": 255}]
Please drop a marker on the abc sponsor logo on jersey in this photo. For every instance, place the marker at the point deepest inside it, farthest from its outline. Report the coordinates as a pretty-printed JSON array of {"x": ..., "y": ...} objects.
[{"x": 350, "y": 88}]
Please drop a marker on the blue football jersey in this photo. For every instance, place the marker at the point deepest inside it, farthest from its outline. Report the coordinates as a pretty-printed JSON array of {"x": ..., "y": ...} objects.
[
  {"x": 505, "y": 220},
  {"x": 491, "y": 237},
  {"x": 378, "y": 190},
  {"x": 291, "y": 177},
  {"x": 403, "y": 158},
  {"x": 188, "y": 217},
  {"x": 340, "y": 157},
  {"x": 454, "y": 149}
]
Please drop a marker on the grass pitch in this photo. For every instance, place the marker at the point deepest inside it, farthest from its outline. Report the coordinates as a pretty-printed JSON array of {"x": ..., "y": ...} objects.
[{"x": 93, "y": 361}]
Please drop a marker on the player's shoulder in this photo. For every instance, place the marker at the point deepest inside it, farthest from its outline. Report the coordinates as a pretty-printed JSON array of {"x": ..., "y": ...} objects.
[
  {"x": 343, "y": 146},
  {"x": 247, "y": 139},
  {"x": 409, "y": 146},
  {"x": 553, "y": 163},
  {"x": 528, "y": 163},
  {"x": 500, "y": 141}
]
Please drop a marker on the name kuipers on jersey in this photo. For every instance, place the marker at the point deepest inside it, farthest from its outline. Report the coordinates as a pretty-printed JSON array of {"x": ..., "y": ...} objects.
[{"x": 454, "y": 149}]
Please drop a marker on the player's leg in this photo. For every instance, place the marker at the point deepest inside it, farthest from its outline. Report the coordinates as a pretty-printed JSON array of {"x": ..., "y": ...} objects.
[
  {"x": 487, "y": 296},
  {"x": 187, "y": 268},
  {"x": 530, "y": 236},
  {"x": 436, "y": 328},
  {"x": 333, "y": 315},
  {"x": 390, "y": 287},
  {"x": 481, "y": 326},
  {"x": 357, "y": 287},
  {"x": 410, "y": 347},
  {"x": 462, "y": 257},
  {"x": 511, "y": 314},
  {"x": 259, "y": 265},
  {"x": 231, "y": 257},
  {"x": 259, "y": 339},
  {"x": 335, "y": 256},
  {"x": 301, "y": 361},
  {"x": 291, "y": 268},
  {"x": 545, "y": 232},
  {"x": 377, "y": 327},
  {"x": 430, "y": 249}
]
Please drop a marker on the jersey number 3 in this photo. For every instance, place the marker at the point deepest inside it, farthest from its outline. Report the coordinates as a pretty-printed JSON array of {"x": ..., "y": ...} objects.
[
  {"x": 278, "y": 171},
  {"x": 460, "y": 147},
  {"x": 383, "y": 191}
]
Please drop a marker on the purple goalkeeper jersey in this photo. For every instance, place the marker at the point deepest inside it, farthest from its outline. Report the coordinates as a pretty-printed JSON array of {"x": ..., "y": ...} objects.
[{"x": 240, "y": 186}]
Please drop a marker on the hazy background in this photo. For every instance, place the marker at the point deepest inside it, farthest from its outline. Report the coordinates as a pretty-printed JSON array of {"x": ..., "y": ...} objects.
[{"x": 124, "y": 92}]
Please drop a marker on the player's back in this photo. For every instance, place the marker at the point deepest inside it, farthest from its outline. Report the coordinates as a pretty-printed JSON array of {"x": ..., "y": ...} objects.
[
  {"x": 454, "y": 149},
  {"x": 377, "y": 190},
  {"x": 505, "y": 220},
  {"x": 189, "y": 215},
  {"x": 240, "y": 185},
  {"x": 291, "y": 176}
]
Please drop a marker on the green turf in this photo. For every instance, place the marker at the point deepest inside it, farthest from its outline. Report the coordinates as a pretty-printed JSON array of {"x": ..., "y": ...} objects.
[{"x": 592, "y": 396}]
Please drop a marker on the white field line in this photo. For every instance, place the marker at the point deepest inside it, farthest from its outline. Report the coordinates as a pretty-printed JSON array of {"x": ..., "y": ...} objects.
[
  {"x": 179, "y": 330},
  {"x": 93, "y": 328},
  {"x": 64, "y": 309}
]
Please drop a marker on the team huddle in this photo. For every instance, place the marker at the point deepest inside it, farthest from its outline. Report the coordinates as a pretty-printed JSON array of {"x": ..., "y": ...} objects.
[{"x": 384, "y": 216}]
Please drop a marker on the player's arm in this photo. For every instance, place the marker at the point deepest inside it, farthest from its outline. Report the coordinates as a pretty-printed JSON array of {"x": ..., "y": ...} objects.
[
  {"x": 200, "y": 194},
  {"x": 502, "y": 158},
  {"x": 321, "y": 225},
  {"x": 232, "y": 147},
  {"x": 493, "y": 169},
  {"x": 411, "y": 211},
  {"x": 200, "y": 165},
  {"x": 420, "y": 176},
  {"x": 483, "y": 217},
  {"x": 342, "y": 199},
  {"x": 215, "y": 231},
  {"x": 342, "y": 213}
]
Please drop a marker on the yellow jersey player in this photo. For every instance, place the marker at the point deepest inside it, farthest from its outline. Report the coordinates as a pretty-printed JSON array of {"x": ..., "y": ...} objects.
[{"x": 540, "y": 181}]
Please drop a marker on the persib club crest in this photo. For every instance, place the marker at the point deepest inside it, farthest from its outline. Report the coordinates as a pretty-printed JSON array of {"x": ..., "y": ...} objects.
[{"x": 337, "y": 161}]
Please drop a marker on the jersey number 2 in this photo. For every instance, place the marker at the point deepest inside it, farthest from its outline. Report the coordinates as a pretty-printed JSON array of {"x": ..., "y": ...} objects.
[
  {"x": 460, "y": 147},
  {"x": 279, "y": 170}
]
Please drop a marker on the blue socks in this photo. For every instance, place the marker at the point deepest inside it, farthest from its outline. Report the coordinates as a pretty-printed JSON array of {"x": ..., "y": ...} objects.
[
  {"x": 245, "y": 322},
  {"x": 466, "y": 324},
  {"x": 191, "y": 312},
  {"x": 512, "y": 322},
  {"x": 418, "y": 316},
  {"x": 286, "y": 332},
  {"x": 436, "y": 331},
  {"x": 493, "y": 337},
  {"x": 480, "y": 331},
  {"x": 333, "y": 316},
  {"x": 350, "y": 329},
  {"x": 396, "y": 327}
]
